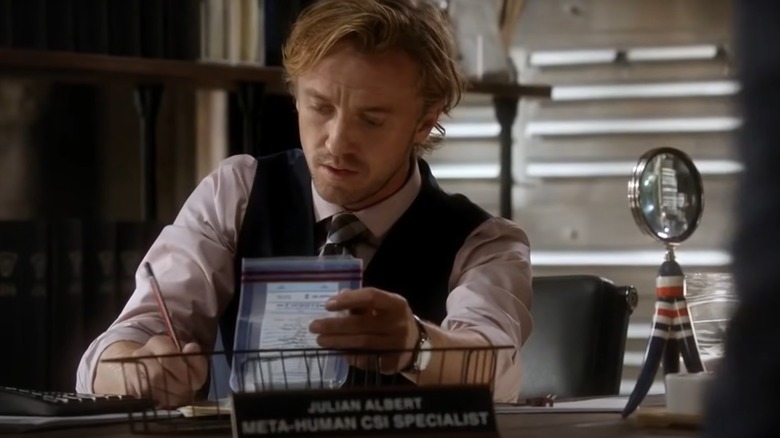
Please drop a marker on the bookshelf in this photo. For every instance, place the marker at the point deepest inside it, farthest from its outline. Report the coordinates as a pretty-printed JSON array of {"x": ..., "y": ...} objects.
[{"x": 150, "y": 76}]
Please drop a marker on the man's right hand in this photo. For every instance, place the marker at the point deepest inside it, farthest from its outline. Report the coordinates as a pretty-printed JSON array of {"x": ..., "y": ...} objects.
[{"x": 170, "y": 381}]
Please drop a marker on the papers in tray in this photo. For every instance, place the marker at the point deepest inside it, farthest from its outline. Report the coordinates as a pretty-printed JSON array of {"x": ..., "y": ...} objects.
[{"x": 591, "y": 405}]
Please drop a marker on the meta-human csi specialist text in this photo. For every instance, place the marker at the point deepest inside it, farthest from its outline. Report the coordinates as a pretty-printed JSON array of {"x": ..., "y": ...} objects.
[{"x": 392, "y": 413}]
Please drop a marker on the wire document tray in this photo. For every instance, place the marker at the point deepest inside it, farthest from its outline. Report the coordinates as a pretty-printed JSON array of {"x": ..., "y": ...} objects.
[{"x": 191, "y": 401}]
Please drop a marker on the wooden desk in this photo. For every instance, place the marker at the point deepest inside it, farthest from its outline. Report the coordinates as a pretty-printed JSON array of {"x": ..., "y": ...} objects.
[
  {"x": 531, "y": 425},
  {"x": 580, "y": 425}
]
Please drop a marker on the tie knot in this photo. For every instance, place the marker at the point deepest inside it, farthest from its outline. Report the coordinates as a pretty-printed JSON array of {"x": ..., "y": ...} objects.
[{"x": 344, "y": 227}]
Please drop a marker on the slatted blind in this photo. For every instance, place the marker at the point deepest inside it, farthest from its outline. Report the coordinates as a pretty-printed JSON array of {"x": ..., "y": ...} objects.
[{"x": 617, "y": 93}]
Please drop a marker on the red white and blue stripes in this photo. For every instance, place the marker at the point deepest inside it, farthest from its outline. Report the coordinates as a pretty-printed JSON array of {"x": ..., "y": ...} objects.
[{"x": 671, "y": 335}]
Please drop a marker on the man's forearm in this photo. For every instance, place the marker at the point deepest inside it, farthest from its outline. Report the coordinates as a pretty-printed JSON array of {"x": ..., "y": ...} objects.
[
  {"x": 110, "y": 377},
  {"x": 466, "y": 359}
]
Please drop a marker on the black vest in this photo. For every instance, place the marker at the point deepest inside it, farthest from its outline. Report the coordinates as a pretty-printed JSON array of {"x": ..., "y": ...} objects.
[{"x": 414, "y": 260}]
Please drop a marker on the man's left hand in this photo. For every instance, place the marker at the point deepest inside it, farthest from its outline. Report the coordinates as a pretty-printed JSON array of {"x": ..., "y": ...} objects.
[{"x": 376, "y": 320}]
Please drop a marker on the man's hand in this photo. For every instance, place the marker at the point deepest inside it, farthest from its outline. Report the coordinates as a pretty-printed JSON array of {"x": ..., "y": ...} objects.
[
  {"x": 377, "y": 320},
  {"x": 170, "y": 381}
]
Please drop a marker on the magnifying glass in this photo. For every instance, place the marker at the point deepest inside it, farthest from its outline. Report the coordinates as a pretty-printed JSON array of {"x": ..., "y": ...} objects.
[{"x": 666, "y": 198}]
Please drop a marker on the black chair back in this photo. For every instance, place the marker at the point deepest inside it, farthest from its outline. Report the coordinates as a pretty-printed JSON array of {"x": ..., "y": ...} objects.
[{"x": 579, "y": 336}]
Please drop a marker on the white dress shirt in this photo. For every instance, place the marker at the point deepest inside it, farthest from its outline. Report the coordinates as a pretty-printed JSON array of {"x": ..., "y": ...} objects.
[{"x": 490, "y": 281}]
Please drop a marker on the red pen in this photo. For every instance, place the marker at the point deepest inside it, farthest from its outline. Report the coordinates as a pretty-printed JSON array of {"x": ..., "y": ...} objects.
[{"x": 161, "y": 304}]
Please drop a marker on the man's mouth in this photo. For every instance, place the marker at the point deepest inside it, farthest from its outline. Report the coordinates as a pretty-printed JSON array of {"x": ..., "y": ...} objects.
[{"x": 339, "y": 171}]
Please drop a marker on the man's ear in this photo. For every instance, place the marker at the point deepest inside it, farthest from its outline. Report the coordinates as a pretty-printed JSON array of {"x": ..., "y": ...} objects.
[{"x": 427, "y": 123}]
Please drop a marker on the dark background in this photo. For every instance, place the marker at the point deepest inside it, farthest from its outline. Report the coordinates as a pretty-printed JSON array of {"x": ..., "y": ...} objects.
[{"x": 71, "y": 179}]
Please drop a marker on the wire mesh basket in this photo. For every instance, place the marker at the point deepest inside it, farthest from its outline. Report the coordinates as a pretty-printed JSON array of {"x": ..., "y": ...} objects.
[{"x": 192, "y": 394}]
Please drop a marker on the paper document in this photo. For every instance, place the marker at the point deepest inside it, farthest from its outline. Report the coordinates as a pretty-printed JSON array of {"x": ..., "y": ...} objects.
[
  {"x": 593, "y": 405},
  {"x": 222, "y": 406},
  {"x": 289, "y": 309}
]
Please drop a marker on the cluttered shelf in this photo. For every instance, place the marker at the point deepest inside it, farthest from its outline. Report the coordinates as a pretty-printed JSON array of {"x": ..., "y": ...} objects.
[{"x": 89, "y": 67}]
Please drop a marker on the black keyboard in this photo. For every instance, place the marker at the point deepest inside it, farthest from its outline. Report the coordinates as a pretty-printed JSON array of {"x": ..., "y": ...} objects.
[{"x": 23, "y": 402}]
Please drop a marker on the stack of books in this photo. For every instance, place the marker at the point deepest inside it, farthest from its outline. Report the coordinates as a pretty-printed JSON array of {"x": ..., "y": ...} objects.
[
  {"x": 231, "y": 31},
  {"x": 62, "y": 283}
]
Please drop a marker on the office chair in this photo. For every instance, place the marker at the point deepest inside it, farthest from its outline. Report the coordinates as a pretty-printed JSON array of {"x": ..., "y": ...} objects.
[{"x": 579, "y": 337}]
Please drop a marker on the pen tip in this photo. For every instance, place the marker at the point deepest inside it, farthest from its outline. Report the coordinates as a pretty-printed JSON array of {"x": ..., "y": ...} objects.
[{"x": 148, "y": 269}]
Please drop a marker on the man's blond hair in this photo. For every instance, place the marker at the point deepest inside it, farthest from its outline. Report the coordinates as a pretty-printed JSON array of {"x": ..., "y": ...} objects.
[{"x": 416, "y": 27}]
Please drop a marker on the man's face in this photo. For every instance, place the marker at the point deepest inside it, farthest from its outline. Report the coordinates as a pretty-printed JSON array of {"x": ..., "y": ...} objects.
[{"x": 359, "y": 117}]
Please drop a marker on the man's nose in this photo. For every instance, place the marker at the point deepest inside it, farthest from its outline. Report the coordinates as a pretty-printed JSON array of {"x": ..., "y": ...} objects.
[{"x": 339, "y": 142}]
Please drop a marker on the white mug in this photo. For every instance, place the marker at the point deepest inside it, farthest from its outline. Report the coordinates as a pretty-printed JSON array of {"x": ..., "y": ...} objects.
[{"x": 685, "y": 392}]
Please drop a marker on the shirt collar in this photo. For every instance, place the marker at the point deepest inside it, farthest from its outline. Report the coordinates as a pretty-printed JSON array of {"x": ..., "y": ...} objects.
[{"x": 379, "y": 217}]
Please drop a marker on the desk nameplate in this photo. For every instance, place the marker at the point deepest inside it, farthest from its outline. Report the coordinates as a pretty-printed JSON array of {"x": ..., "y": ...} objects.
[{"x": 425, "y": 411}]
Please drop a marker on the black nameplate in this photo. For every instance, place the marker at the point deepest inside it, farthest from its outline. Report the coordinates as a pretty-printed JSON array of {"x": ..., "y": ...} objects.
[{"x": 362, "y": 412}]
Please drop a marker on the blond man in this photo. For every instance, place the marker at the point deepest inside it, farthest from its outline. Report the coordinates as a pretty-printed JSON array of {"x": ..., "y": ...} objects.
[{"x": 371, "y": 80}]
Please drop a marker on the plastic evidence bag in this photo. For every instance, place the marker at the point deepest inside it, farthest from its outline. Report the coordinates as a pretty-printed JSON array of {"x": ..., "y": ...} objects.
[{"x": 280, "y": 297}]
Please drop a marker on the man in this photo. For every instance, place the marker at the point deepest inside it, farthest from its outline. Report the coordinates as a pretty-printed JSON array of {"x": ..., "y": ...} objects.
[
  {"x": 371, "y": 78},
  {"x": 744, "y": 401}
]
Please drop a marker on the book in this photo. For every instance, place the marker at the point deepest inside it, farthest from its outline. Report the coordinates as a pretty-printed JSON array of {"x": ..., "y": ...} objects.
[{"x": 24, "y": 291}]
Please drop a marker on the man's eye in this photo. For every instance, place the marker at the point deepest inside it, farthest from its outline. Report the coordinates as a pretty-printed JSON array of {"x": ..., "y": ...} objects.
[
  {"x": 321, "y": 109},
  {"x": 371, "y": 122}
]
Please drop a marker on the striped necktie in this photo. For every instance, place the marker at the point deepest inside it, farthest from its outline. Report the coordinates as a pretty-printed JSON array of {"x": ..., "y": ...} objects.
[{"x": 345, "y": 228}]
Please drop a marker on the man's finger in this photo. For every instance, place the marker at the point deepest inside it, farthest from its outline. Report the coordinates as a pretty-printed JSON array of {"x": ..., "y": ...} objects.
[
  {"x": 176, "y": 369},
  {"x": 352, "y": 324},
  {"x": 190, "y": 371},
  {"x": 136, "y": 378},
  {"x": 149, "y": 379},
  {"x": 171, "y": 394},
  {"x": 359, "y": 342},
  {"x": 364, "y": 298},
  {"x": 197, "y": 363},
  {"x": 384, "y": 363},
  {"x": 161, "y": 346}
]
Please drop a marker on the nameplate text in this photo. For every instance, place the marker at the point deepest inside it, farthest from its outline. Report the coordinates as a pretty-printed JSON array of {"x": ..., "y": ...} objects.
[{"x": 414, "y": 411}]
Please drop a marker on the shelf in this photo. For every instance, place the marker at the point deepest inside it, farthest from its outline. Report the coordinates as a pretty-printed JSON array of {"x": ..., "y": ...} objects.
[{"x": 88, "y": 67}]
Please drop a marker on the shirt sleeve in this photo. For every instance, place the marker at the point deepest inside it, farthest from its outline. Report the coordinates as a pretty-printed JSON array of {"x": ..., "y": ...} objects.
[
  {"x": 491, "y": 294},
  {"x": 193, "y": 262}
]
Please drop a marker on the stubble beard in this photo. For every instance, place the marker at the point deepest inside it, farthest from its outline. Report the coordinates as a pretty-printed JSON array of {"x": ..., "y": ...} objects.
[{"x": 344, "y": 197}]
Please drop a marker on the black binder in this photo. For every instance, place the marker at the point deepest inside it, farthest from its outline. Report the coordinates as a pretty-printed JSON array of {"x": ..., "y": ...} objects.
[
  {"x": 124, "y": 27},
  {"x": 152, "y": 22},
  {"x": 91, "y": 28},
  {"x": 60, "y": 25},
  {"x": 29, "y": 23},
  {"x": 183, "y": 22},
  {"x": 67, "y": 303},
  {"x": 101, "y": 289},
  {"x": 6, "y": 24},
  {"x": 24, "y": 287}
]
